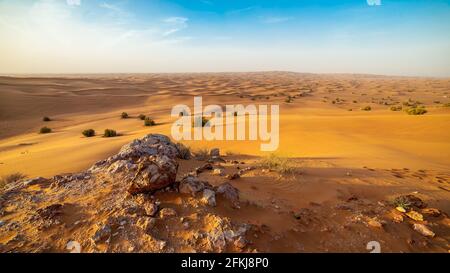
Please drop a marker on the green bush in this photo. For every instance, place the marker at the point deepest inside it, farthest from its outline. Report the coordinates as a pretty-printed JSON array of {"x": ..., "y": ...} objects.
[
  {"x": 416, "y": 111},
  {"x": 46, "y": 119},
  {"x": 6, "y": 179},
  {"x": 110, "y": 133},
  {"x": 142, "y": 117},
  {"x": 89, "y": 133},
  {"x": 149, "y": 122},
  {"x": 45, "y": 130},
  {"x": 124, "y": 115},
  {"x": 278, "y": 164}
]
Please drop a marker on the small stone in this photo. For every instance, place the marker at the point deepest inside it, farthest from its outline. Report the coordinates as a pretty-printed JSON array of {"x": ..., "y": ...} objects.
[
  {"x": 209, "y": 197},
  {"x": 214, "y": 152},
  {"x": 401, "y": 209},
  {"x": 146, "y": 224},
  {"x": 397, "y": 218},
  {"x": 424, "y": 230},
  {"x": 233, "y": 176},
  {"x": 415, "y": 215},
  {"x": 240, "y": 242},
  {"x": 375, "y": 223},
  {"x": 150, "y": 209},
  {"x": 102, "y": 234},
  {"x": 432, "y": 212},
  {"x": 218, "y": 172},
  {"x": 167, "y": 212}
]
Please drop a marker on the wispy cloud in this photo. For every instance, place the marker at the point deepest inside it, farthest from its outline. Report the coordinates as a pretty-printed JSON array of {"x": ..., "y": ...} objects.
[
  {"x": 243, "y": 10},
  {"x": 175, "y": 24},
  {"x": 275, "y": 19}
]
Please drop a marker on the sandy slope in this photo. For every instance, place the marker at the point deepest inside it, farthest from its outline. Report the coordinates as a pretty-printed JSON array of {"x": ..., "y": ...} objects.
[{"x": 311, "y": 126}]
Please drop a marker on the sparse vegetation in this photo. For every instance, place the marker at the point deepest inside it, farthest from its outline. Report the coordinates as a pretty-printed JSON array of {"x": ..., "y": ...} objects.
[
  {"x": 416, "y": 111},
  {"x": 124, "y": 115},
  {"x": 46, "y": 119},
  {"x": 402, "y": 202},
  {"x": 110, "y": 133},
  {"x": 201, "y": 154},
  {"x": 142, "y": 117},
  {"x": 184, "y": 152},
  {"x": 396, "y": 108},
  {"x": 289, "y": 99},
  {"x": 279, "y": 164},
  {"x": 45, "y": 130},
  {"x": 446, "y": 104},
  {"x": 367, "y": 108},
  {"x": 6, "y": 179},
  {"x": 88, "y": 133},
  {"x": 149, "y": 122}
]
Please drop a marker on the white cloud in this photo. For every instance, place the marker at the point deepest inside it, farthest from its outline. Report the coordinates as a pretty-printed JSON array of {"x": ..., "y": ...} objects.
[
  {"x": 73, "y": 2},
  {"x": 175, "y": 24}
]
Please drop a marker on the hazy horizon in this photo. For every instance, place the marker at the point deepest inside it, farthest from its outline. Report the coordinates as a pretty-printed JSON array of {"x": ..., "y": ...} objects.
[{"x": 396, "y": 38}]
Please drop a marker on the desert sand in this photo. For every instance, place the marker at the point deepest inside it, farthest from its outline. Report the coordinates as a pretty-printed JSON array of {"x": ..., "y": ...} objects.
[{"x": 349, "y": 162}]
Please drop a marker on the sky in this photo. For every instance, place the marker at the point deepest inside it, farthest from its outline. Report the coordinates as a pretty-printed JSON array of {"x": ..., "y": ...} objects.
[{"x": 389, "y": 37}]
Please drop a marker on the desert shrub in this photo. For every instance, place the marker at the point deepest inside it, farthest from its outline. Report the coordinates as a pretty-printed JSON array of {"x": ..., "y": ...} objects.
[
  {"x": 45, "y": 130},
  {"x": 403, "y": 202},
  {"x": 367, "y": 108},
  {"x": 142, "y": 117},
  {"x": 184, "y": 152},
  {"x": 88, "y": 133},
  {"x": 10, "y": 178},
  {"x": 446, "y": 104},
  {"x": 396, "y": 108},
  {"x": 279, "y": 164},
  {"x": 289, "y": 99},
  {"x": 46, "y": 119},
  {"x": 124, "y": 115},
  {"x": 149, "y": 122},
  {"x": 201, "y": 154},
  {"x": 110, "y": 133},
  {"x": 204, "y": 121},
  {"x": 416, "y": 111}
]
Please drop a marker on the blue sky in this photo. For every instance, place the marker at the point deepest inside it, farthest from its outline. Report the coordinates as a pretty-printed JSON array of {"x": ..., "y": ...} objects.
[{"x": 398, "y": 37}]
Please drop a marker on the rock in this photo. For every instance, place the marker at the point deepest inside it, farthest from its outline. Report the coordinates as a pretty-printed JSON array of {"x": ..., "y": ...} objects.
[
  {"x": 218, "y": 172},
  {"x": 205, "y": 167},
  {"x": 121, "y": 166},
  {"x": 150, "y": 209},
  {"x": 2, "y": 223},
  {"x": 373, "y": 222},
  {"x": 397, "y": 218},
  {"x": 415, "y": 215},
  {"x": 50, "y": 212},
  {"x": 102, "y": 234},
  {"x": 191, "y": 185},
  {"x": 230, "y": 193},
  {"x": 401, "y": 209},
  {"x": 214, "y": 152},
  {"x": 424, "y": 230},
  {"x": 35, "y": 181},
  {"x": 233, "y": 176},
  {"x": 167, "y": 212},
  {"x": 240, "y": 242},
  {"x": 209, "y": 197},
  {"x": 431, "y": 212},
  {"x": 146, "y": 224},
  {"x": 154, "y": 173}
]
